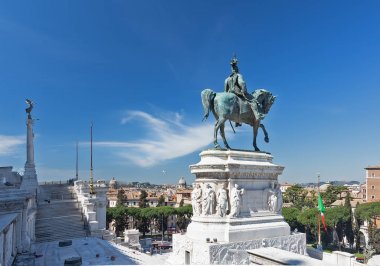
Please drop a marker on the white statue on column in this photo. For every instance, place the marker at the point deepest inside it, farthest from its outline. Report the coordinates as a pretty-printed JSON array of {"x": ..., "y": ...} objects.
[
  {"x": 222, "y": 199},
  {"x": 208, "y": 200},
  {"x": 236, "y": 194},
  {"x": 29, "y": 181},
  {"x": 196, "y": 200}
]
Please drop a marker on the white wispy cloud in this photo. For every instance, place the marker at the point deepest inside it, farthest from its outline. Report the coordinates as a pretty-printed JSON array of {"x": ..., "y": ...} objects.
[
  {"x": 169, "y": 138},
  {"x": 9, "y": 144}
]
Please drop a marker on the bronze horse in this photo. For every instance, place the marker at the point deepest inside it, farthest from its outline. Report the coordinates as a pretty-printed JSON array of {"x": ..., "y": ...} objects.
[{"x": 228, "y": 106}]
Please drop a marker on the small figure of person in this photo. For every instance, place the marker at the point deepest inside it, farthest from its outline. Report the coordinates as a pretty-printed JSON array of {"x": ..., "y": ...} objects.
[
  {"x": 208, "y": 200},
  {"x": 235, "y": 83},
  {"x": 196, "y": 200},
  {"x": 222, "y": 198},
  {"x": 278, "y": 205},
  {"x": 272, "y": 198},
  {"x": 236, "y": 194}
]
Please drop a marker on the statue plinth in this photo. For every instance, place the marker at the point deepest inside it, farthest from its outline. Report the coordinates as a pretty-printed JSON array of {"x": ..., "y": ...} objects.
[
  {"x": 251, "y": 173},
  {"x": 237, "y": 204}
]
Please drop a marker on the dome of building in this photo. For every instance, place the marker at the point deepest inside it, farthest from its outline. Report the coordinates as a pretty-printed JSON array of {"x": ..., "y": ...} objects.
[
  {"x": 113, "y": 183},
  {"x": 182, "y": 181},
  {"x": 324, "y": 187}
]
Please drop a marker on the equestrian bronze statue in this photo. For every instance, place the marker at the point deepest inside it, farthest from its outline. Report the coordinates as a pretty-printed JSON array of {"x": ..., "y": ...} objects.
[{"x": 236, "y": 105}]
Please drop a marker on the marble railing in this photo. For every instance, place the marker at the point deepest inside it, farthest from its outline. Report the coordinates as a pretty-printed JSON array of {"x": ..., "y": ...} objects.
[{"x": 8, "y": 239}]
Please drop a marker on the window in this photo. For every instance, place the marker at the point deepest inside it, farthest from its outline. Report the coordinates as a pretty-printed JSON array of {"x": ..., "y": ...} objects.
[
  {"x": 373, "y": 174},
  {"x": 373, "y": 187},
  {"x": 372, "y": 197}
]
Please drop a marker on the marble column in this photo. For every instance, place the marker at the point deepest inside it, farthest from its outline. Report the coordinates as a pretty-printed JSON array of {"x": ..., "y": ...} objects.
[{"x": 29, "y": 181}]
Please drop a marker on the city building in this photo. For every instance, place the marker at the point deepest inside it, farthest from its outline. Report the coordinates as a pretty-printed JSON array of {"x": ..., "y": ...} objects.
[
  {"x": 183, "y": 194},
  {"x": 363, "y": 189},
  {"x": 373, "y": 183},
  {"x": 285, "y": 186}
]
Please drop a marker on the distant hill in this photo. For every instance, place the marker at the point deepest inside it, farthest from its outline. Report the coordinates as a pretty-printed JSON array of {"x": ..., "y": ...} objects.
[{"x": 335, "y": 183}]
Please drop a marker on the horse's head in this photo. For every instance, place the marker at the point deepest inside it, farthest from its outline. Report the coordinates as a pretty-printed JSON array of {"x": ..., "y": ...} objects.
[
  {"x": 264, "y": 98},
  {"x": 268, "y": 101}
]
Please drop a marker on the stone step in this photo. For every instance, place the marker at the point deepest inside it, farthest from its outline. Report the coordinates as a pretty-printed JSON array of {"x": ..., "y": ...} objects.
[
  {"x": 59, "y": 219},
  {"x": 59, "y": 238}
]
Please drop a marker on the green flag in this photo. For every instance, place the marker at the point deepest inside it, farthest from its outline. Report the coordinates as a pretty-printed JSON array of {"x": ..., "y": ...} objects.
[{"x": 321, "y": 208}]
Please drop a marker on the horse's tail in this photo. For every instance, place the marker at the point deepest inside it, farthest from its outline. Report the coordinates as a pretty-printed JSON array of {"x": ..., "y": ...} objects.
[{"x": 208, "y": 101}]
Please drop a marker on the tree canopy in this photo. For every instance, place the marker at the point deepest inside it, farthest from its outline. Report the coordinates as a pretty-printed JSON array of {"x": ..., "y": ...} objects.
[
  {"x": 367, "y": 211},
  {"x": 296, "y": 195}
]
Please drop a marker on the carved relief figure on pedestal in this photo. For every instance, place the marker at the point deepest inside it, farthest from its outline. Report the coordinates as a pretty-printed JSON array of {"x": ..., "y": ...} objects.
[
  {"x": 275, "y": 198},
  {"x": 271, "y": 198},
  {"x": 209, "y": 200},
  {"x": 236, "y": 194},
  {"x": 196, "y": 200},
  {"x": 222, "y": 197},
  {"x": 278, "y": 205}
]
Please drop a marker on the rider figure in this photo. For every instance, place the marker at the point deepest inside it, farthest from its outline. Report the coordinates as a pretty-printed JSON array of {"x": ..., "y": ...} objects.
[{"x": 236, "y": 84}]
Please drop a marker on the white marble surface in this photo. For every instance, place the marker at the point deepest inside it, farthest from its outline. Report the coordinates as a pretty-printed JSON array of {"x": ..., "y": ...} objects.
[
  {"x": 87, "y": 248},
  {"x": 374, "y": 261},
  {"x": 271, "y": 255}
]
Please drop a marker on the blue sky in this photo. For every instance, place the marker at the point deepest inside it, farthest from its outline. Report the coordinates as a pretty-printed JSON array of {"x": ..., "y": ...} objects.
[{"x": 136, "y": 69}]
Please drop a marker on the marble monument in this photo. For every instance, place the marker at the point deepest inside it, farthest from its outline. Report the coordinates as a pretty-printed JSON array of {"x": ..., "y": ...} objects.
[{"x": 237, "y": 205}]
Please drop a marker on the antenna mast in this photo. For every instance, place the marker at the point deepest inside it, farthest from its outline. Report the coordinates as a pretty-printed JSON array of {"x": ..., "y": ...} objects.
[
  {"x": 77, "y": 176},
  {"x": 92, "y": 191}
]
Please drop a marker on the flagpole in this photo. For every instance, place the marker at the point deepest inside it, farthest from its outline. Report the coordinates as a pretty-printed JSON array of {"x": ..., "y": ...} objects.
[{"x": 319, "y": 217}]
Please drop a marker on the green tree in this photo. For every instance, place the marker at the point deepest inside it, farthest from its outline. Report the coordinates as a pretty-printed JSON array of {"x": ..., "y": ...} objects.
[
  {"x": 374, "y": 237},
  {"x": 119, "y": 217},
  {"x": 311, "y": 200},
  {"x": 368, "y": 212},
  {"x": 348, "y": 228},
  {"x": 309, "y": 219},
  {"x": 331, "y": 194},
  {"x": 143, "y": 202},
  {"x": 121, "y": 197},
  {"x": 335, "y": 219},
  {"x": 161, "y": 201},
  {"x": 164, "y": 213},
  {"x": 183, "y": 216},
  {"x": 356, "y": 229},
  {"x": 143, "y": 223},
  {"x": 290, "y": 215},
  {"x": 134, "y": 214},
  {"x": 296, "y": 195}
]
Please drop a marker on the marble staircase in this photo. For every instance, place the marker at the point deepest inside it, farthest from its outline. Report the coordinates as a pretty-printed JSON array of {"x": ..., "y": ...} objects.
[{"x": 58, "y": 217}]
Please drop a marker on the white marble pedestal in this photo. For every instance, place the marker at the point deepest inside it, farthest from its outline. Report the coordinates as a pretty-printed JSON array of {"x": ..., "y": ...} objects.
[{"x": 236, "y": 206}]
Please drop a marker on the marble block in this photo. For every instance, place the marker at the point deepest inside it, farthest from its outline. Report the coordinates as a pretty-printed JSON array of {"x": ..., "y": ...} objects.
[
  {"x": 231, "y": 197},
  {"x": 237, "y": 205}
]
